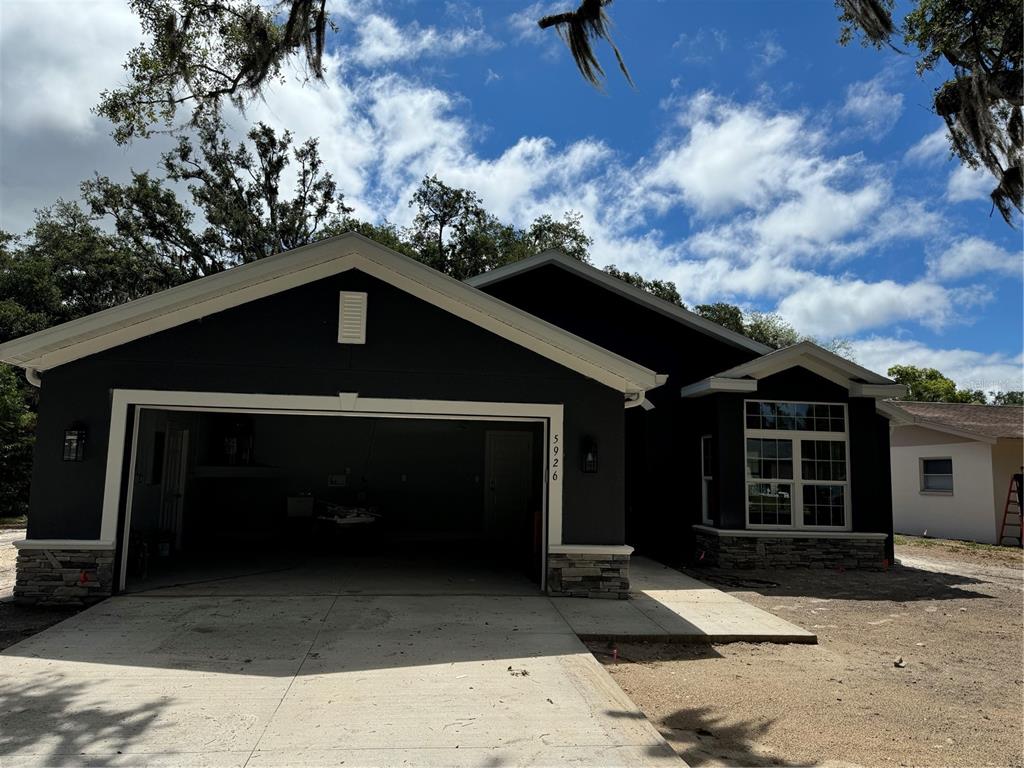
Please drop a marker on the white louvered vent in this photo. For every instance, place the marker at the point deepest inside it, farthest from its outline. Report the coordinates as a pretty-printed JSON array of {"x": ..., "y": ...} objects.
[{"x": 352, "y": 318}]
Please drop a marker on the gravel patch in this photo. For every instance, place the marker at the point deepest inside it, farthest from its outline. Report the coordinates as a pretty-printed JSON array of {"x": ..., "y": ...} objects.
[{"x": 920, "y": 666}]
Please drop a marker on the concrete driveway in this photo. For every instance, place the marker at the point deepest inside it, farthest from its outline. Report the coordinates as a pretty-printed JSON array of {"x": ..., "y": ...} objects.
[{"x": 460, "y": 679}]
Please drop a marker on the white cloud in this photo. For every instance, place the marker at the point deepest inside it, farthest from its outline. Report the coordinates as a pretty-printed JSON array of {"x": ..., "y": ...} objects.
[
  {"x": 768, "y": 189},
  {"x": 972, "y": 255},
  {"x": 768, "y": 51},
  {"x": 966, "y": 183},
  {"x": 772, "y": 204},
  {"x": 839, "y": 306},
  {"x": 381, "y": 41},
  {"x": 57, "y": 57},
  {"x": 932, "y": 147},
  {"x": 523, "y": 23},
  {"x": 873, "y": 105},
  {"x": 968, "y": 368},
  {"x": 734, "y": 157},
  {"x": 701, "y": 47}
]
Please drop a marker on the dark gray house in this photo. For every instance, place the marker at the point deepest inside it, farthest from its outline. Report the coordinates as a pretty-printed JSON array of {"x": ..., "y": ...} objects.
[
  {"x": 748, "y": 456},
  {"x": 344, "y": 398}
]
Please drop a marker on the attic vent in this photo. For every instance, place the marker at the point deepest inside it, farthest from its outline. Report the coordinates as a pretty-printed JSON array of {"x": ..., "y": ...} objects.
[{"x": 352, "y": 318}]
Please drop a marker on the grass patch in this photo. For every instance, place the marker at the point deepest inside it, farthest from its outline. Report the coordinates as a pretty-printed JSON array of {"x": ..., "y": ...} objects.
[
  {"x": 956, "y": 546},
  {"x": 18, "y": 521},
  {"x": 926, "y": 541}
]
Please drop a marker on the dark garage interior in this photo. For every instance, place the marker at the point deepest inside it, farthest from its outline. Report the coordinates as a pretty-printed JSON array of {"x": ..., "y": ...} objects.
[{"x": 216, "y": 493}]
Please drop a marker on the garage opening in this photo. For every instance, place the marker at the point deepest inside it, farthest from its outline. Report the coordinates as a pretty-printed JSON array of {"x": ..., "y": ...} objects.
[{"x": 218, "y": 495}]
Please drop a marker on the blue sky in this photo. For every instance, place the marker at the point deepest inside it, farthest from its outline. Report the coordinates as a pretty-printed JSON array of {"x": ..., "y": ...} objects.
[{"x": 756, "y": 161}]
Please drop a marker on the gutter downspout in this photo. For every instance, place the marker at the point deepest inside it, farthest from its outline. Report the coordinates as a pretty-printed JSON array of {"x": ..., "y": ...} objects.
[
  {"x": 33, "y": 377},
  {"x": 633, "y": 399}
]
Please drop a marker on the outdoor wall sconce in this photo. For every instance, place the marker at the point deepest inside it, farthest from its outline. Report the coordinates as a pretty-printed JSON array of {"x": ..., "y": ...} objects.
[
  {"x": 74, "y": 443},
  {"x": 589, "y": 456}
]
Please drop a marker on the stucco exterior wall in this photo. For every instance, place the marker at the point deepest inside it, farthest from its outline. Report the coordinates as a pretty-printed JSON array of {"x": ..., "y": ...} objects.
[
  {"x": 1007, "y": 458},
  {"x": 964, "y": 514}
]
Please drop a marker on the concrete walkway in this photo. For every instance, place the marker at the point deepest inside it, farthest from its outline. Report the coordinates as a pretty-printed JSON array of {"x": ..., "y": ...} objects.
[
  {"x": 297, "y": 680},
  {"x": 670, "y": 606}
]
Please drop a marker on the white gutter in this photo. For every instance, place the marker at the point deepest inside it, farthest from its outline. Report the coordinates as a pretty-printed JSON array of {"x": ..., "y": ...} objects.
[{"x": 33, "y": 378}]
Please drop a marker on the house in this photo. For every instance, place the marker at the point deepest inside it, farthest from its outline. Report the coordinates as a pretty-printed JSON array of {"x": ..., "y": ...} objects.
[
  {"x": 747, "y": 457},
  {"x": 343, "y": 397},
  {"x": 951, "y": 468}
]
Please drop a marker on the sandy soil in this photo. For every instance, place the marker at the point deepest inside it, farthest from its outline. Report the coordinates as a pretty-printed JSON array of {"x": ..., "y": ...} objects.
[
  {"x": 17, "y": 621},
  {"x": 954, "y": 619}
]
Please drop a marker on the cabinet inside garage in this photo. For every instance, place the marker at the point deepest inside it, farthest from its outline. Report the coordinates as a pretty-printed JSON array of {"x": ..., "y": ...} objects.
[{"x": 217, "y": 490}]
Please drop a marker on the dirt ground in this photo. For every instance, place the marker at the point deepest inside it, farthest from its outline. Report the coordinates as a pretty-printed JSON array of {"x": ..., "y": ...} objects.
[
  {"x": 953, "y": 613},
  {"x": 17, "y": 621}
]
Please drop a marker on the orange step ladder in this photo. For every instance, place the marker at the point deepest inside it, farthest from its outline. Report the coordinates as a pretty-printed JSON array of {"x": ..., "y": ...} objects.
[{"x": 1013, "y": 508}]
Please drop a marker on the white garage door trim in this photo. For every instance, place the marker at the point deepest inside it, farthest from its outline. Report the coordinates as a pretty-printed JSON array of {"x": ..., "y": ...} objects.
[{"x": 344, "y": 404}]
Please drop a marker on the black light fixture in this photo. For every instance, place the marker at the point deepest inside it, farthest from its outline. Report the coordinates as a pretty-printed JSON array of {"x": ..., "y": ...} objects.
[
  {"x": 589, "y": 456},
  {"x": 74, "y": 443}
]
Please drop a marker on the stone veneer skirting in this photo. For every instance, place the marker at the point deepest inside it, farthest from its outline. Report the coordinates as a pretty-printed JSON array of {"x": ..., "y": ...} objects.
[
  {"x": 63, "y": 575},
  {"x": 594, "y": 572},
  {"x": 770, "y": 549}
]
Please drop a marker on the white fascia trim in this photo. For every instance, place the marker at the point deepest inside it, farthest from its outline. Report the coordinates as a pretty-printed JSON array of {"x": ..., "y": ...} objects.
[
  {"x": 242, "y": 284},
  {"x": 621, "y": 287},
  {"x": 714, "y": 384},
  {"x": 797, "y": 533},
  {"x": 877, "y": 391},
  {"x": 590, "y": 549},
  {"x": 64, "y": 544},
  {"x": 812, "y": 357}
]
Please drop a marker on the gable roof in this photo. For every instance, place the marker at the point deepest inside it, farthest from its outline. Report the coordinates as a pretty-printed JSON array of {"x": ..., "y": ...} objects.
[
  {"x": 622, "y": 288},
  {"x": 239, "y": 285},
  {"x": 984, "y": 422},
  {"x": 860, "y": 381}
]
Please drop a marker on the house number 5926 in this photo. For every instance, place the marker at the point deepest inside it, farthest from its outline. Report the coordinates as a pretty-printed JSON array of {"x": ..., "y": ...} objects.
[{"x": 555, "y": 458}]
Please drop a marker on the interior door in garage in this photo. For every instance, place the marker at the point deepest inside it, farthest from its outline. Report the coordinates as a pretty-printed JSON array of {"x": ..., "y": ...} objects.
[{"x": 509, "y": 483}]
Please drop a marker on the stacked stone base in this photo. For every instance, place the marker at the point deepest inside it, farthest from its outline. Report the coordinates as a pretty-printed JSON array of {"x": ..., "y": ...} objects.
[
  {"x": 63, "y": 576},
  {"x": 768, "y": 551},
  {"x": 588, "y": 575}
]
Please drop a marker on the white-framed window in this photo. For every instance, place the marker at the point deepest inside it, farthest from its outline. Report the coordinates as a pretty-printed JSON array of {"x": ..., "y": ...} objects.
[
  {"x": 797, "y": 465},
  {"x": 937, "y": 475}
]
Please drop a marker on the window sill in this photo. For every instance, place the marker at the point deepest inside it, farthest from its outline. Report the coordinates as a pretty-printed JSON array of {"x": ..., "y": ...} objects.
[
  {"x": 789, "y": 533},
  {"x": 935, "y": 493}
]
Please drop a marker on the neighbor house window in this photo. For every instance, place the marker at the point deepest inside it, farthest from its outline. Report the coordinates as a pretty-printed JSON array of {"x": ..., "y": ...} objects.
[
  {"x": 797, "y": 466},
  {"x": 937, "y": 475}
]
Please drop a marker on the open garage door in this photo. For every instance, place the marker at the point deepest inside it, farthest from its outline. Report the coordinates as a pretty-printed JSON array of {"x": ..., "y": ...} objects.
[{"x": 216, "y": 493}]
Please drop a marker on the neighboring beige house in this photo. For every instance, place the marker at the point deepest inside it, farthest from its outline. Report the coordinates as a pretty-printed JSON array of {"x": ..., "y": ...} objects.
[{"x": 951, "y": 467}]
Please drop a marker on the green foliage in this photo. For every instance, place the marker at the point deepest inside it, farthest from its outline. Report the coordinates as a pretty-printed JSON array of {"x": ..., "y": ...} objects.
[
  {"x": 17, "y": 425},
  {"x": 579, "y": 29},
  {"x": 726, "y": 315},
  {"x": 200, "y": 52},
  {"x": 929, "y": 385},
  {"x": 771, "y": 329},
  {"x": 566, "y": 236},
  {"x": 67, "y": 267},
  {"x": 982, "y": 42},
  {"x": 453, "y": 233},
  {"x": 663, "y": 289},
  {"x": 1012, "y": 397},
  {"x": 236, "y": 190}
]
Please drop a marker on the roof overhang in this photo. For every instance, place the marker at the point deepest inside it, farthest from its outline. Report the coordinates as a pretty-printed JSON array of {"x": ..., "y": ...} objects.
[
  {"x": 614, "y": 284},
  {"x": 859, "y": 381},
  {"x": 200, "y": 298},
  {"x": 900, "y": 418},
  {"x": 714, "y": 384}
]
